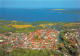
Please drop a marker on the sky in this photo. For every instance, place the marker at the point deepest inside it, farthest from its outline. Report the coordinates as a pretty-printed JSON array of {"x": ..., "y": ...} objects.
[{"x": 39, "y": 3}]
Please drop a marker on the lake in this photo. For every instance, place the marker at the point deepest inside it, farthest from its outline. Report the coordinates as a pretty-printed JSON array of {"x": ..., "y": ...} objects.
[{"x": 33, "y": 15}]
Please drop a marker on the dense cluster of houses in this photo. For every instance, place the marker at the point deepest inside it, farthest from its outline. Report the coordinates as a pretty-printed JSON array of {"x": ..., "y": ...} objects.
[
  {"x": 40, "y": 39},
  {"x": 74, "y": 36},
  {"x": 78, "y": 36}
]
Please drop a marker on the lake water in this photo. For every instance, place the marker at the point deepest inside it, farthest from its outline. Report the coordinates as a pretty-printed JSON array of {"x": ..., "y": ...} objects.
[{"x": 33, "y": 15}]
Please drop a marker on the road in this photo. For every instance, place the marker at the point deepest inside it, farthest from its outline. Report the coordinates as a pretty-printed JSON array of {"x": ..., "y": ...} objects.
[{"x": 77, "y": 43}]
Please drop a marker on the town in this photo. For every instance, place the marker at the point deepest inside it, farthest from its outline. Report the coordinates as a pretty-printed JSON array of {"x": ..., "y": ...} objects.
[
  {"x": 39, "y": 39},
  {"x": 46, "y": 38}
]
